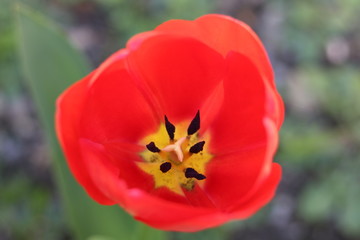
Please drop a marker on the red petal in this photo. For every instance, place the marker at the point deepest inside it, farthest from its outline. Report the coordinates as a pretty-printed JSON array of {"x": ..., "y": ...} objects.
[
  {"x": 115, "y": 109},
  {"x": 170, "y": 216},
  {"x": 262, "y": 196},
  {"x": 211, "y": 107},
  {"x": 226, "y": 34},
  {"x": 125, "y": 156},
  {"x": 197, "y": 197},
  {"x": 231, "y": 177},
  {"x": 102, "y": 171},
  {"x": 69, "y": 108},
  {"x": 181, "y": 72},
  {"x": 235, "y": 178},
  {"x": 272, "y": 143},
  {"x": 98, "y": 107},
  {"x": 275, "y": 106},
  {"x": 239, "y": 125},
  {"x": 243, "y": 138}
]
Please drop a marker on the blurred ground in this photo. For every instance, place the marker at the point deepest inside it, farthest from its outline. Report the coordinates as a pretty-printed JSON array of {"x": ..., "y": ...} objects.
[{"x": 315, "y": 50}]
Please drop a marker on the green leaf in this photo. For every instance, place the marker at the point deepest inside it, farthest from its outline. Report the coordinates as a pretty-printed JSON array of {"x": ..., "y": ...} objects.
[
  {"x": 98, "y": 237},
  {"x": 144, "y": 232},
  {"x": 316, "y": 202},
  {"x": 209, "y": 234},
  {"x": 49, "y": 65}
]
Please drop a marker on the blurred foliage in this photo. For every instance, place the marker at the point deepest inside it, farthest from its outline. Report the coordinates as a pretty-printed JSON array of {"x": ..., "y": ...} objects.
[
  {"x": 28, "y": 211},
  {"x": 321, "y": 136},
  {"x": 57, "y": 66},
  {"x": 315, "y": 50}
]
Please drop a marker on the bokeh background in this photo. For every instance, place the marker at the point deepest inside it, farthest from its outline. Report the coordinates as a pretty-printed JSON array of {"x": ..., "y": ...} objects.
[{"x": 314, "y": 46}]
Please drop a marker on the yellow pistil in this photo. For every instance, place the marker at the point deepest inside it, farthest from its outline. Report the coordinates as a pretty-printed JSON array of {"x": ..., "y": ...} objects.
[{"x": 176, "y": 153}]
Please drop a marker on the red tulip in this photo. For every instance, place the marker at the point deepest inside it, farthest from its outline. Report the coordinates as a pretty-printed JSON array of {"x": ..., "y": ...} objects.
[{"x": 180, "y": 127}]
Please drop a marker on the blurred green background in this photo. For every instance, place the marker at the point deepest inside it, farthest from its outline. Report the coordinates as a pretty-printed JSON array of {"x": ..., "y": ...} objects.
[{"x": 314, "y": 46}]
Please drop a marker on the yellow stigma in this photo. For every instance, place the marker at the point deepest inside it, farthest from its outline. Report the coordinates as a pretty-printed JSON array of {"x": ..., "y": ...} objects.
[{"x": 172, "y": 165}]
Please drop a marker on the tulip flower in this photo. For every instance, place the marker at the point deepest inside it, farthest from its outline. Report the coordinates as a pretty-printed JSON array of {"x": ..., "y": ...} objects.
[{"x": 180, "y": 127}]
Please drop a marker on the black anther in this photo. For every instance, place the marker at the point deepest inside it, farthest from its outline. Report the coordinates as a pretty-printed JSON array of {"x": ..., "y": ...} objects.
[
  {"x": 192, "y": 173},
  {"x": 170, "y": 128},
  {"x": 166, "y": 166},
  {"x": 195, "y": 124},
  {"x": 198, "y": 147},
  {"x": 152, "y": 147}
]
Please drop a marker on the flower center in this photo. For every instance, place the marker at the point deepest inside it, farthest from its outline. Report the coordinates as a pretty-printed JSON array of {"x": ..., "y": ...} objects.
[{"x": 176, "y": 156}]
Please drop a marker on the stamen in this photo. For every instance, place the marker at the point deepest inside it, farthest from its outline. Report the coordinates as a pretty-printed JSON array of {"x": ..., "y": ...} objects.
[
  {"x": 198, "y": 147},
  {"x": 166, "y": 166},
  {"x": 152, "y": 147},
  {"x": 170, "y": 128},
  {"x": 195, "y": 124},
  {"x": 192, "y": 173}
]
